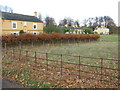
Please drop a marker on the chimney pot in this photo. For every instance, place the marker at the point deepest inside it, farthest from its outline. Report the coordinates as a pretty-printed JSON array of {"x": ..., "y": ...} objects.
[{"x": 35, "y": 14}]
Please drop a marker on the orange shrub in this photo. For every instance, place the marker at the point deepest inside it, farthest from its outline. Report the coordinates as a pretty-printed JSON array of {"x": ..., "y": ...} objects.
[{"x": 47, "y": 37}]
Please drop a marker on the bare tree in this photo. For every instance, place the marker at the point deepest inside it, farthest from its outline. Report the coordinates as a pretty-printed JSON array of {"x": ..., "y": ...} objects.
[
  {"x": 101, "y": 20},
  {"x": 63, "y": 22},
  {"x": 49, "y": 21},
  {"x": 90, "y": 21},
  {"x": 85, "y": 22},
  {"x": 105, "y": 20},
  {"x": 6, "y": 9},
  {"x": 70, "y": 22},
  {"x": 96, "y": 21},
  {"x": 40, "y": 16},
  {"x": 66, "y": 21},
  {"x": 109, "y": 21},
  {"x": 77, "y": 23}
]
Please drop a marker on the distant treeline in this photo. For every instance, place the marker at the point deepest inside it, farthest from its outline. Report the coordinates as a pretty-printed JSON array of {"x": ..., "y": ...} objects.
[{"x": 90, "y": 23}]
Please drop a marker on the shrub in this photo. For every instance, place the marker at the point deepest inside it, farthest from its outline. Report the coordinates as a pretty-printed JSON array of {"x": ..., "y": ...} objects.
[
  {"x": 65, "y": 30},
  {"x": 95, "y": 32},
  {"x": 21, "y": 32},
  {"x": 101, "y": 33},
  {"x": 52, "y": 28},
  {"x": 11, "y": 39},
  {"x": 88, "y": 31}
]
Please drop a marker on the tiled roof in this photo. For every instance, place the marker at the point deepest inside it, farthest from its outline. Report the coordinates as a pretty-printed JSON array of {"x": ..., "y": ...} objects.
[{"x": 20, "y": 17}]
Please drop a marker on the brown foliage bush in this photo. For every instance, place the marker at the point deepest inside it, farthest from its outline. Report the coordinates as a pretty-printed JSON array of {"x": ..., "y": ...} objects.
[{"x": 47, "y": 37}]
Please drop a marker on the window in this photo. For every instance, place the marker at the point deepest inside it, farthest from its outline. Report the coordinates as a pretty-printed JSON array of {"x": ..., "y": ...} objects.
[
  {"x": 14, "y": 25},
  {"x": 35, "y": 33},
  {"x": 15, "y": 33},
  {"x": 34, "y": 25},
  {"x": 25, "y": 23}
]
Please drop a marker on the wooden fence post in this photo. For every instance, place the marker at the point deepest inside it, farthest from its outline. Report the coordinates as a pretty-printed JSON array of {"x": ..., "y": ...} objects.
[
  {"x": 74, "y": 40},
  {"x": 19, "y": 55},
  {"x": 5, "y": 50},
  {"x": 20, "y": 44},
  {"x": 101, "y": 69},
  {"x": 119, "y": 73},
  {"x": 13, "y": 53},
  {"x": 35, "y": 59},
  {"x": 61, "y": 64},
  {"x": 61, "y": 42},
  {"x": 32, "y": 44},
  {"x": 47, "y": 60},
  {"x": 5, "y": 46},
  {"x": 79, "y": 67},
  {"x": 68, "y": 41},
  {"x": 26, "y": 54},
  {"x": 43, "y": 43}
]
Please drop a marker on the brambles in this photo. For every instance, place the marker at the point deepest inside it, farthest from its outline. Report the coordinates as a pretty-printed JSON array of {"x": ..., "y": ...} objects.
[{"x": 11, "y": 39}]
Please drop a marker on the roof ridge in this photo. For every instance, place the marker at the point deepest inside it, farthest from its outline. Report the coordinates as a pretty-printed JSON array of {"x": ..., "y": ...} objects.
[
  {"x": 17, "y": 14},
  {"x": 21, "y": 17}
]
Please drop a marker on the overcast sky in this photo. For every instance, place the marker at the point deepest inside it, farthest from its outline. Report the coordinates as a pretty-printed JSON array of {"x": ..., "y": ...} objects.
[{"x": 58, "y": 9}]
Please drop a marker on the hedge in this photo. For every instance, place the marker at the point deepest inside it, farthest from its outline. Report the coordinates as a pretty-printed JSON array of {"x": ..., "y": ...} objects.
[{"x": 11, "y": 39}]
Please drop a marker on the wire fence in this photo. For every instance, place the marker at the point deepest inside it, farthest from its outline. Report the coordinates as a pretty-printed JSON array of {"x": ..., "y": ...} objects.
[
  {"x": 100, "y": 69},
  {"x": 21, "y": 44}
]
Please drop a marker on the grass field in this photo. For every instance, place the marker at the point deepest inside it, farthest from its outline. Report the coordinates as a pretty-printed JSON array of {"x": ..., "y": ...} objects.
[
  {"x": 107, "y": 47},
  {"x": 27, "y": 75}
]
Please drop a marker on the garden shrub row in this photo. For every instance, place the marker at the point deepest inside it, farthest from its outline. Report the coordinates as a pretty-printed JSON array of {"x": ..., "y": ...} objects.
[{"x": 11, "y": 39}]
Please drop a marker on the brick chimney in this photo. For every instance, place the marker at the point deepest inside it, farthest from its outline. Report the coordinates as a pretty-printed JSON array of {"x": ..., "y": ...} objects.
[{"x": 35, "y": 14}]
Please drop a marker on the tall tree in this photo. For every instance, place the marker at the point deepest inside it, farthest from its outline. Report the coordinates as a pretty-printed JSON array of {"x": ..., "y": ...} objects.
[
  {"x": 101, "y": 20},
  {"x": 85, "y": 22},
  {"x": 96, "y": 21},
  {"x": 40, "y": 16},
  {"x": 70, "y": 22},
  {"x": 90, "y": 21},
  {"x": 105, "y": 20},
  {"x": 66, "y": 21},
  {"x": 108, "y": 21},
  {"x": 49, "y": 21},
  {"x": 112, "y": 26},
  {"x": 6, "y": 9},
  {"x": 77, "y": 23},
  {"x": 63, "y": 22}
]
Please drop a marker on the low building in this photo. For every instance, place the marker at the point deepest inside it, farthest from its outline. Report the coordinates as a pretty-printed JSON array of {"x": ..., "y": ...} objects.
[
  {"x": 13, "y": 23},
  {"x": 73, "y": 30},
  {"x": 102, "y": 30}
]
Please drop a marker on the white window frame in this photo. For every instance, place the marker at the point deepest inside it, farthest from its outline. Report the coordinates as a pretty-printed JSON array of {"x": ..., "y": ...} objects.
[
  {"x": 34, "y": 24},
  {"x": 13, "y": 25},
  {"x": 36, "y": 33},
  {"x": 25, "y": 23},
  {"x": 13, "y": 33}
]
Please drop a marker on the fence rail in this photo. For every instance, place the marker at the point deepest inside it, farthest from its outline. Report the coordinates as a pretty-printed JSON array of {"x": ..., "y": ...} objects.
[
  {"x": 21, "y": 44},
  {"x": 60, "y": 63}
]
